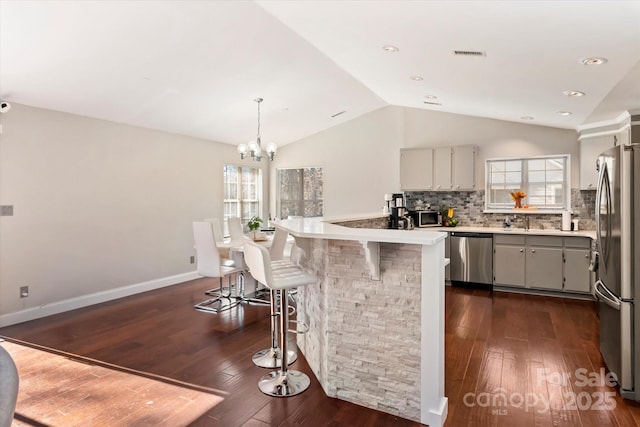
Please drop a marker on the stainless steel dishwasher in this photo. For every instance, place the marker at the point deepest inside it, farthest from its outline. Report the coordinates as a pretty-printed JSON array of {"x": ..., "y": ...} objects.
[{"x": 471, "y": 257}]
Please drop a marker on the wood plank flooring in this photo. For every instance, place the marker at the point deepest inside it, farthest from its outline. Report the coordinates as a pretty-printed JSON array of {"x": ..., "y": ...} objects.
[{"x": 504, "y": 356}]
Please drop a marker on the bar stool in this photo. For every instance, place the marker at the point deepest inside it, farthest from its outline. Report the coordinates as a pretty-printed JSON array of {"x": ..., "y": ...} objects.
[
  {"x": 283, "y": 382},
  {"x": 272, "y": 357}
]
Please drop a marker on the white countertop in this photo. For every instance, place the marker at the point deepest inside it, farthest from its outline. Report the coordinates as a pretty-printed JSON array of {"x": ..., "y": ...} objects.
[
  {"x": 512, "y": 230},
  {"x": 318, "y": 228}
]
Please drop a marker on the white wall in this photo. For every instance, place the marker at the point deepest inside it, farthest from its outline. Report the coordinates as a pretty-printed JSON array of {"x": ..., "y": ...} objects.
[
  {"x": 98, "y": 205},
  {"x": 361, "y": 157},
  {"x": 360, "y": 160}
]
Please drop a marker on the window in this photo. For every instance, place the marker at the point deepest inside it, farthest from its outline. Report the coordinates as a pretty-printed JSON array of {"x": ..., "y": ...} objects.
[
  {"x": 242, "y": 193},
  {"x": 545, "y": 180},
  {"x": 300, "y": 192}
]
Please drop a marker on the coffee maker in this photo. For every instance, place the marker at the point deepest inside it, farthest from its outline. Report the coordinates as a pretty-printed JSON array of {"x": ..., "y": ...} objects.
[{"x": 397, "y": 211}]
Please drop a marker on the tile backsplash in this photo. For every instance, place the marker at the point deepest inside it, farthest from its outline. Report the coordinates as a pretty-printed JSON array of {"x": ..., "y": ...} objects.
[{"x": 469, "y": 206}]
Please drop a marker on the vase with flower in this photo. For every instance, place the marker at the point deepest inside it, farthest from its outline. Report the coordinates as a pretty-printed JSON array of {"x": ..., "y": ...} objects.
[{"x": 517, "y": 197}]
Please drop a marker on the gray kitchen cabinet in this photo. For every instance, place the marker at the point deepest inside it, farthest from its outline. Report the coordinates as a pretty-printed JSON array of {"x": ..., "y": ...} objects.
[
  {"x": 577, "y": 253},
  {"x": 590, "y": 148},
  {"x": 464, "y": 167},
  {"x": 442, "y": 167},
  {"x": 416, "y": 169},
  {"x": 438, "y": 169},
  {"x": 544, "y": 262},
  {"x": 509, "y": 260},
  {"x": 550, "y": 263},
  {"x": 544, "y": 268}
]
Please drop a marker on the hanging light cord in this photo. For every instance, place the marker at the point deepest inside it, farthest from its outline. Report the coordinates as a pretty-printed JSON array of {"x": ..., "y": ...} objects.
[{"x": 259, "y": 100}]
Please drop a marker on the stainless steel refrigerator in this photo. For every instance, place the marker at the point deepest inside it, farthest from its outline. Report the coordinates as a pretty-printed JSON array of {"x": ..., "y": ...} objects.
[{"x": 618, "y": 231}]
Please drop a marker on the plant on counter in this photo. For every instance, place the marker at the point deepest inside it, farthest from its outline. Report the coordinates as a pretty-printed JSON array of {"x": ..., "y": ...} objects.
[{"x": 448, "y": 220}]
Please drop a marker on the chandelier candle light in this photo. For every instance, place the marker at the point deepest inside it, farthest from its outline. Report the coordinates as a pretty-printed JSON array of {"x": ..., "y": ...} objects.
[{"x": 254, "y": 148}]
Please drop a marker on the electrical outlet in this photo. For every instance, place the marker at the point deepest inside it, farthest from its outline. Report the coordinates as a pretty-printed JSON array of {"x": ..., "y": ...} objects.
[
  {"x": 24, "y": 291},
  {"x": 192, "y": 259}
]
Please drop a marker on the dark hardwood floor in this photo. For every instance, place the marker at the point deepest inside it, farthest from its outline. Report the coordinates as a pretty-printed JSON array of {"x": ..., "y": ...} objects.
[{"x": 505, "y": 357}]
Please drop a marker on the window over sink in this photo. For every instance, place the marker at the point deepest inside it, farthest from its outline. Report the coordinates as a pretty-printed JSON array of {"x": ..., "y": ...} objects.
[{"x": 544, "y": 179}]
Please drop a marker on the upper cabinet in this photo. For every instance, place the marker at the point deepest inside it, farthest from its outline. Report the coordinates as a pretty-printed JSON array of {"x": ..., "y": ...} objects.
[
  {"x": 439, "y": 169},
  {"x": 416, "y": 169},
  {"x": 442, "y": 167},
  {"x": 464, "y": 167},
  {"x": 596, "y": 139},
  {"x": 590, "y": 148}
]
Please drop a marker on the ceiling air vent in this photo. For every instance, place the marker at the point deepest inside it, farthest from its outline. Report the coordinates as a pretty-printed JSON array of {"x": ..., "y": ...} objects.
[
  {"x": 469, "y": 53},
  {"x": 432, "y": 103}
]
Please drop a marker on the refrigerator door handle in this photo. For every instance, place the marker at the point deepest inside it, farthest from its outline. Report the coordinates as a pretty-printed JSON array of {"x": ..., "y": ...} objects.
[
  {"x": 593, "y": 264},
  {"x": 602, "y": 293}
]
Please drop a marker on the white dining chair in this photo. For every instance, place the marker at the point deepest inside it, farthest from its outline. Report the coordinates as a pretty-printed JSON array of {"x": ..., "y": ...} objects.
[
  {"x": 235, "y": 230},
  {"x": 218, "y": 235},
  {"x": 210, "y": 264},
  {"x": 217, "y": 229}
]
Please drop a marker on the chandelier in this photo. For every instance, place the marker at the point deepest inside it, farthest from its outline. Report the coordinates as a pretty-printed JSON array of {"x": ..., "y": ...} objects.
[{"x": 254, "y": 148}]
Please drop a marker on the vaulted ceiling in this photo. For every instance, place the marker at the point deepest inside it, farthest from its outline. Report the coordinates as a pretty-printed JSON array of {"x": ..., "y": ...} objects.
[{"x": 195, "y": 67}]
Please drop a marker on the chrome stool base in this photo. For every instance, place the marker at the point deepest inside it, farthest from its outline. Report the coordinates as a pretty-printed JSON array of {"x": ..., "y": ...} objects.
[
  {"x": 270, "y": 358},
  {"x": 279, "y": 384},
  {"x": 215, "y": 305}
]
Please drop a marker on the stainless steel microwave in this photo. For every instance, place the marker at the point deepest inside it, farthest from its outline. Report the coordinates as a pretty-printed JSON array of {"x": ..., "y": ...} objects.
[{"x": 427, "y": 219}]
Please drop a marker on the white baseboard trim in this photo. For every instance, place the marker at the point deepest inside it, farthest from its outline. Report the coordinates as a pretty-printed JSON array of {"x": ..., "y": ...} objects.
[{"x": 91, "y": 299}]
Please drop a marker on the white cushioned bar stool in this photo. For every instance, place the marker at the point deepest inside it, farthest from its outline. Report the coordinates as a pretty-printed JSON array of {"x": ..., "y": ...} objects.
[
  {"x": 283, "y": 382},
  {"x": 272, "y": 357}
]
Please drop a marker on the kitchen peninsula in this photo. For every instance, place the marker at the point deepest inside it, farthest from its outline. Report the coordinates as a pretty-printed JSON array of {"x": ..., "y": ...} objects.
[{"x": 375, "y": 316}]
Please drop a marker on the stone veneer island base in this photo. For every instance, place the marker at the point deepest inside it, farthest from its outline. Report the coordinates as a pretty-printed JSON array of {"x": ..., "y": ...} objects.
[{"x": 375, "y": 316}]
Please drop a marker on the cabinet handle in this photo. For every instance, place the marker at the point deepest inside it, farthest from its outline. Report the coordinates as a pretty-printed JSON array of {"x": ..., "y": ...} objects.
[
  {"x": 521, "y": 250},
  {"x": 533, "y": 251},
  {"x": 457, "y": 186},
  {"x": 590, "y": 185},
  {"x": 438, "y": 187},
  {"x": 587, "y": 256}
]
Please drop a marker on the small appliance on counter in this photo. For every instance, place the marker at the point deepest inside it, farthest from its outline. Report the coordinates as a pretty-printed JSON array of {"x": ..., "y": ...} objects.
[
  {"x": 426, "y": 218},
  {"x": 398, "y": 213}
]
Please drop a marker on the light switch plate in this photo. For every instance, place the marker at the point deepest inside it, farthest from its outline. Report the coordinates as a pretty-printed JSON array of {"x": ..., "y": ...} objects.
[{"x": 6, "y": 210}]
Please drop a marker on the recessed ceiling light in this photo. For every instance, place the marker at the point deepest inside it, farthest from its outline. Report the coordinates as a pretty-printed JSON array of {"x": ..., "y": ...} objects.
[
  {"x": 431, "y": 97},
  {"x": 390, "y": 48},
  {"x": 564, "y": 113},
  {"x": 594, "y": 60},
  {"x": 416, "y": 78},
  {"x": 526, "y": 118},
  {"x": 573, "y": 93}
]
